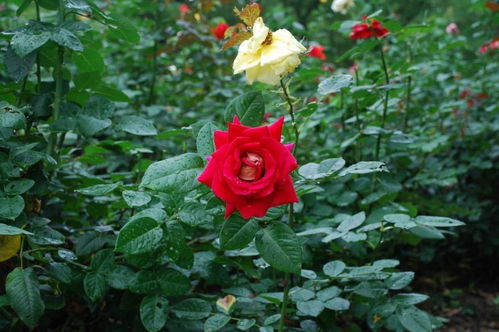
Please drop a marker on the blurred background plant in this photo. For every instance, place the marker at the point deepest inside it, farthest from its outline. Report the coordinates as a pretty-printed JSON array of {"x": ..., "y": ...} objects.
[{"x": 94, "y": 92}]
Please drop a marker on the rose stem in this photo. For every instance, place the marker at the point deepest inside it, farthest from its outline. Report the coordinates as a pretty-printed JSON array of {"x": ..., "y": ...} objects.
[
  {"x": 292, "y": 114},
  {"x": 51, "y": 148},
  {"x": 290, "y": 211},
  {"x": 385, "y": 104},
  {"x": 408, "y": 103},
  {"x": 356, "y": 107}
]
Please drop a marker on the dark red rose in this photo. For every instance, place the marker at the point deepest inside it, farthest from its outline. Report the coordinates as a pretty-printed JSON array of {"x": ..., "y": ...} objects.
[
  {"x": 367, "y": 29},
  {"x": 317, "y": 52},
  {"x": 250, "y": 169},
  {"x": 361, "y": 31},
  {"x": 219, "y": 30}
]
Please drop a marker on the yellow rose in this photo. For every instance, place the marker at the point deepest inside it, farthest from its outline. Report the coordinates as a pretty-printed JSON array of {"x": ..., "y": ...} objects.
[
  {"x": 267, "y": 55},
  {"x": 9, "y": 246}
]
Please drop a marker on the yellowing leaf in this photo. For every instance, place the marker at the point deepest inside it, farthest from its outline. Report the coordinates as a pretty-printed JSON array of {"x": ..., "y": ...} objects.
[
  {"x": 225, "y": 304},
  {"x": 249, "y": 13},
  {"x": 9, "y": 246},
  {"x": 236, "y": 39}
]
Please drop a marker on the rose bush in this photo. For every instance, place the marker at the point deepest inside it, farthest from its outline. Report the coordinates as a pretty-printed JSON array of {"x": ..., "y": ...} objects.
[{"x": 250, "y": 169}]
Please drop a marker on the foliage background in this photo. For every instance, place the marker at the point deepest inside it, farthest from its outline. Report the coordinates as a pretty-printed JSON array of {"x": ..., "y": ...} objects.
[{"x": 84, "y": 115}]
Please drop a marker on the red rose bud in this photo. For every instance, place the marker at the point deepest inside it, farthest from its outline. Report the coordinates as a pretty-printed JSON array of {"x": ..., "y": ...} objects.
[
  {"x": 317, "y": 52},
  {"x": 219, "y": 30},
  {"x": 184, "y": 9},
  {"x": 250, "y": 169}
]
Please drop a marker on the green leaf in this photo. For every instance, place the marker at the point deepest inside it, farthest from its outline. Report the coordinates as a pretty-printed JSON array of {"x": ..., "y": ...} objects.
[
  {"x": 18, "y": 187},
  {"x": 89, "y": 126},
  {"x": 44, "y": 235},
  {"x": 328, "y": 293},
  {"x": 352, "y": 222},
  {"x": 245, "y": 324},
  {"x": 11, "y": 230},
  {"x": 135, "y": 198},
  {"x": 334, "y": 268},
  {"x": 237, "y": 233},
  {"x": 415, "y": 320},
  {"x": 120, "y": 277},
  {"x": 364, "y": 167},
  {"x": 11, "y": 207},
  {"x": 438, "y": 221},
  {"x": 90, "y": 242},
  {"x": 194, "y": 214},
  {"x": 10, "y": 118},
  {"x": 29, "y": 38},
  {"x": 23, "y": 6},
  {"x": 122, "y": 28},
  {"x": 95, "y": 286},
  {"x": 311, "y": 308},
  {"x": 337, "y": 304},
  {"x": 409, "y": 298},
  {"x": 216, "y": 322},
  {"x": 334, "y": 84},
  {"x": 111, "y": 93},
  {"x": 60, "y": 271},
  {"x": 192, "y": 309},
  {"x": 249, "y": 108},
  {"x": 86, "y": 80},
  {"x": 139, "y": 236},
  {"x": 80, "y": 5},
  {"x": 325, "y": 168},
  {"x": 279, "y": 246},
  {"x": 172, "y": 282},
  {"x": 427, "y": 232},
  {"x": 18, "y": 67},
  {"x": 204, "y": 140},
  {"x": 137, "y": 125},
  {"x": 98, "y": 189},
  {"x": 154, "y": 213},
  {"x": 177, "y": 174},
  {"x": 24, "y": 295},
  {"x": 66, "y": 38},
  {"x": 399, "y": 280},
  {"x": 154, "y": 312}
]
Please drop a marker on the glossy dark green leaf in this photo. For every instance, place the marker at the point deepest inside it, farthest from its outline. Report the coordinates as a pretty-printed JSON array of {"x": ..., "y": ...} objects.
[
  {"x": 249, "y": 108},
  {"x": 24, "y": 295},
  {"x": 279, "y": 246}
]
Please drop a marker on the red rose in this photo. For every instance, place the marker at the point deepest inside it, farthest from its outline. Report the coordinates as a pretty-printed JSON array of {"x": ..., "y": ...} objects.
[
  {"x": 219, "y": 30},
  {"x": 317, "y": 52},
  {"x": 368, "y": 29},
  {"x": 250, "y": 169},
  {"x": 184, "y": 9}
]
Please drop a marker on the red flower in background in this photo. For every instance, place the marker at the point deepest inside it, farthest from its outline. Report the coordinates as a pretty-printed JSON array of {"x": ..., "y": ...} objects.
[
  {"x": 219, "y": 30},
  {"x": 250, "y": 169},
  {"x": 491, "y": 45},
  {"x": 317, "y": 52},
  {"x": 492, "y": 6},
  {"x": 184, "y": 9},
  {"x": 368, "y": 29}
]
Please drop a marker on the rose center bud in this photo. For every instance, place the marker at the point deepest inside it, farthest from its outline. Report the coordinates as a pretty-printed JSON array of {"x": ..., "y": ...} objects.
[{"x": 252, "y": 165}]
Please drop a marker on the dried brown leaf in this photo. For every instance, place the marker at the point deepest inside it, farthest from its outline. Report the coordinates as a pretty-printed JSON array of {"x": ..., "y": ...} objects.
[
  {"x": 249, "y": 14},
  {"x": 236, "y": 39}
]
